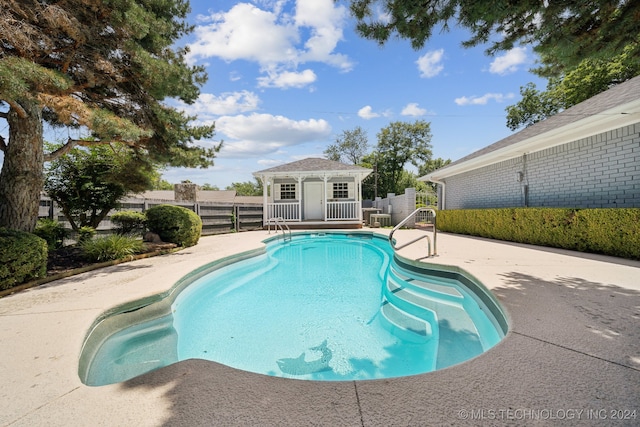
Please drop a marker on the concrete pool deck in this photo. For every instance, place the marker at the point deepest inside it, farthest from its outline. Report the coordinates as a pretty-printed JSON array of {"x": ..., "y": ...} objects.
[{"x": 571, "y": 357}]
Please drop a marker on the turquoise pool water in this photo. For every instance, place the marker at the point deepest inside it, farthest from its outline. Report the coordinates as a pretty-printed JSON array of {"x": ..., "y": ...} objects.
[{"x": 323, "y": 306}]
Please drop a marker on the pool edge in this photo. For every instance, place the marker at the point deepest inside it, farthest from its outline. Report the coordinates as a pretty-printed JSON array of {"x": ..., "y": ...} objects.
[{"x": 144, "y": 309}]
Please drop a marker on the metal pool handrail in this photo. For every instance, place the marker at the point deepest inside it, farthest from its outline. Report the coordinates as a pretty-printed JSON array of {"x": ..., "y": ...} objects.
[
  {"x": 279, "y": 223},
  {"x": 404, "y": 221}
]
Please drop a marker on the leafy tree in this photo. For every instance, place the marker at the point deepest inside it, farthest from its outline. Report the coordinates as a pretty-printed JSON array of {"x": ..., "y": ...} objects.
[
  {"x": 209, "y": 187},
  {"x": 382, "y": 184},
  {"x": 534, "y": 105},
  {"x": 379, "y": 182},
  {"x": 589, "y": 78},
  {"x": 104, "y": 66},
  {"x": 563, "y": 33},
  {"x": 398, "y": 144},
  {"x": 88, "y": 183},
  {"x": 350, "y": 147},
  {"x": 247, "y": 188},
  {"x": 430, "y": 166},
  {"x": 409, "y": 179},
  {"x": 160, "y": 183}
]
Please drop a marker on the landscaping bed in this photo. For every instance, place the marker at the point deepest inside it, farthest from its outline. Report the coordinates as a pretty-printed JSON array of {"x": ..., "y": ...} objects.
[{"x": 69, "y": 258}]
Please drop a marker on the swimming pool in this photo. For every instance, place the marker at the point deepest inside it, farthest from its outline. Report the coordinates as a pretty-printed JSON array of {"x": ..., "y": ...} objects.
[{"x": 322, "y": 306}]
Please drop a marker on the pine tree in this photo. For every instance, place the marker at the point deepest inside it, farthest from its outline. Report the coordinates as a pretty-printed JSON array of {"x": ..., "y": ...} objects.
[
  {"x": 562, "y": 32},
  {"x": 106, "y": 66}
]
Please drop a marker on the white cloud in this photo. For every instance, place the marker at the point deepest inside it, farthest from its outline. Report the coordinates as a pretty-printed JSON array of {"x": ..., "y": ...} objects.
[
  {"x": 509, "y": 62},
  {"x": 260, "y": 134},
  {"x": 430, "y": 64},
  {"x": 482, "y": 100},
  {"x": 275, "y": 39},
  {"x": 367, "y": 113},
  {"x": 245, "y": 32},
  {"x": 412, "y": 109},
  {"x": 287, "y": 79},
  {"x": 325, "y": 19},
  {"x": 209, "y": 105}
]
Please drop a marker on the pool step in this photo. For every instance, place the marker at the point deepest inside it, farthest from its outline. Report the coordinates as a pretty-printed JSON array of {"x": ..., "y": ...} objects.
[
  {"x": 442, "y": 309},
  {"x": 415, "y": 300},
  {"x": 409, "y": 301},
  {"x": 408, "y": 313},
  {"x": 439, "y": 288},
  {"x": 407, "y": 326}
]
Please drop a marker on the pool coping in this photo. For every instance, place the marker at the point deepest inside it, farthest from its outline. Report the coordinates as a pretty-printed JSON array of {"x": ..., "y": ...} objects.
[
  {"x": 572, "y": 352},
  {"x": 149, "y": 310}
]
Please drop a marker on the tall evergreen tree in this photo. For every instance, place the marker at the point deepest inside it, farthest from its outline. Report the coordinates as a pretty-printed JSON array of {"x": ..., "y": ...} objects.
[
  {"x": 102, "y": 65},
  {"x": 562, "y": 32}
]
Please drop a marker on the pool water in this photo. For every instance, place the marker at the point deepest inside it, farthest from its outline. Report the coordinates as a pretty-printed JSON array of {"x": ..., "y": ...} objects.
[{"x": 322, "y": 306}]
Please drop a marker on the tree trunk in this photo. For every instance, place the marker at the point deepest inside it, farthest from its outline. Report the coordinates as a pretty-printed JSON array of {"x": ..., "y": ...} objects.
[{"x": 21, "y": 178}]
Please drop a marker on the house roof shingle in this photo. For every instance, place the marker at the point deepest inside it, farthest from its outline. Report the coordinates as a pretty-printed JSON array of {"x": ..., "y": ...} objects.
[
  {"x": 313, "y": 165},
  {"x": 607, "y": 107}
]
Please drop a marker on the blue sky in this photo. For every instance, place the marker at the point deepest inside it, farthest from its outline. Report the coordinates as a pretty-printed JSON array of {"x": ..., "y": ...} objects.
[{"x": 287, "y": 77}]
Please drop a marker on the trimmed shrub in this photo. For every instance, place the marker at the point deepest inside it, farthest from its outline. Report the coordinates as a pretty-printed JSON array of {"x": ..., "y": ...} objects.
[
  {"x": 129, "y": 222},
  {"x": 111, "y": 247},
  {"x": 23, "y": 257},
  {"x": 175, "y": 224},
  {"x": 612, "y": 231},
  {"x": 52, "y": 231},
  {"x": 85, "y": 234}
]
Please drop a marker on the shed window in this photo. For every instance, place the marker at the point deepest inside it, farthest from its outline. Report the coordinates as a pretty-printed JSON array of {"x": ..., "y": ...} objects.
[
  {"x": 340, "y": 190},
  {"x": 287, "y": 191}
]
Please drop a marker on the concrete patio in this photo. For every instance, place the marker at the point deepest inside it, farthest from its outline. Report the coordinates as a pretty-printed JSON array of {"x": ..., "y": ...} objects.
[{"x": 571, "y": 357}]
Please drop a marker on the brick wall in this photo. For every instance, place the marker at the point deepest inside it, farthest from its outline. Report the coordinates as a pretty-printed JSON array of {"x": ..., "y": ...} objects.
[
  {"x": 602, "y": 171},
  {"x": 401, "y": 206}
]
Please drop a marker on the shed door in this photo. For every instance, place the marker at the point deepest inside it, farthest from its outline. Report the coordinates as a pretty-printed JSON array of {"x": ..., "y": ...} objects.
[{"x": 313, "y": 201}]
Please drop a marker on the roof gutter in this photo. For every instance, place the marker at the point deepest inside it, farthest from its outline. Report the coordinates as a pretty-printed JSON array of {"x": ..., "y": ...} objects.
[
  {"x": 442, "y": 183},
  {"x": 620, "y": 116}
]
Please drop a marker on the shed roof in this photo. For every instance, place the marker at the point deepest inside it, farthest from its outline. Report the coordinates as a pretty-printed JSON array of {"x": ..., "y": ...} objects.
[
  {"x": 611, "y": 109},
  {"x": 312, "y": 165}
]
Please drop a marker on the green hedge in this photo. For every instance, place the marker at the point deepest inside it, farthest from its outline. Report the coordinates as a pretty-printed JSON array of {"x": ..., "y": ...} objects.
[
  {"x": 613, "y": 231},
  {"x": 23, "y": 257},
  {"x": 52, "y": 231},
  {"x": 129, "y": 222},
  {"x": 175, "y": 224}
]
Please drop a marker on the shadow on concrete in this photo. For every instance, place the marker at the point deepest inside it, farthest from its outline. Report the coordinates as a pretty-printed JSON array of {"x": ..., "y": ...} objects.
[
  {"x": 204, "y": 393},
  {"x": 590, "y": 317}
]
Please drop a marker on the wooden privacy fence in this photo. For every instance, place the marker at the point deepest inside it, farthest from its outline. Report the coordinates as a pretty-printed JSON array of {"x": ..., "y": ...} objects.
[{"x": 217, "y": 217}]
